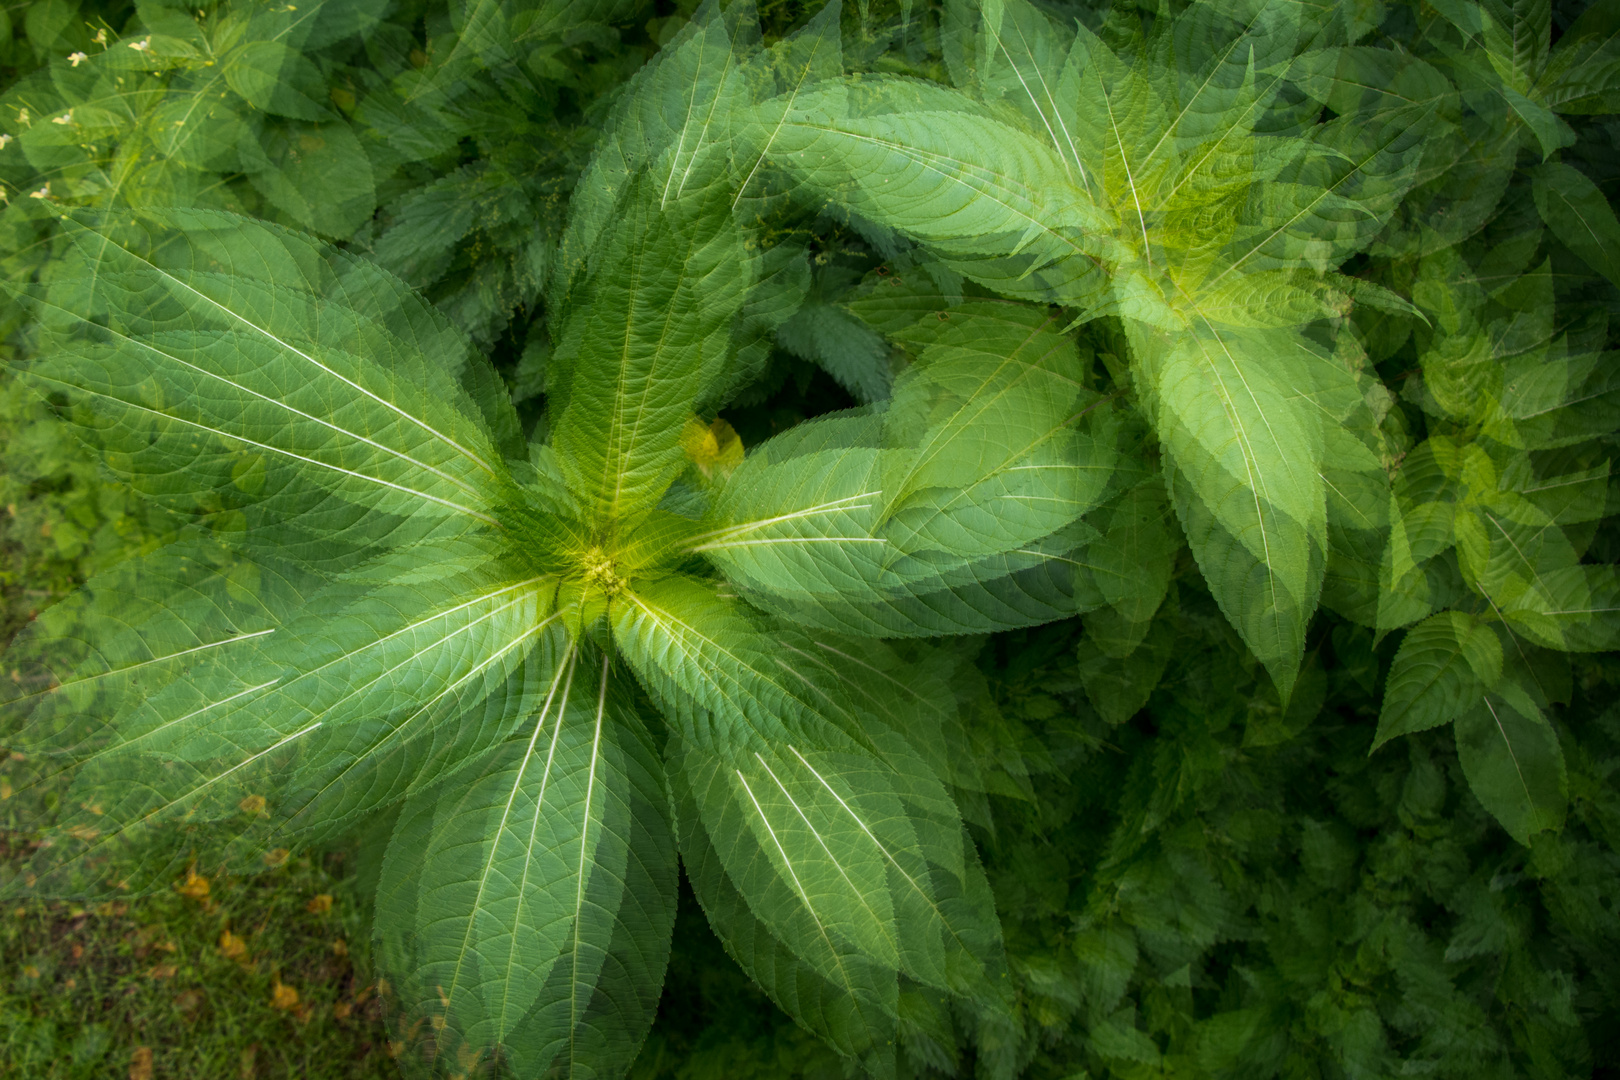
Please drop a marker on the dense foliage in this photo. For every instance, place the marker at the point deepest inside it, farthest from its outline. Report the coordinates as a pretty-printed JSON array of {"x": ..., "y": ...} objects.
[{"x": 1080, "y": 533}]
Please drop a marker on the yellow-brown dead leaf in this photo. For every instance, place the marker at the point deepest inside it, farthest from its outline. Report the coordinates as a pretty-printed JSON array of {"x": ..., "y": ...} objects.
[
  {"x": 195, "y": 887},
  {"x": 231, "y": 946},
  {"x": 283, "y": 997}
]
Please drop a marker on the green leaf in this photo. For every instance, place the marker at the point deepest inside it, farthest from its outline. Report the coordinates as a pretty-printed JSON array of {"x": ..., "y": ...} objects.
[
  {"x": 709, "y": 663},
  {"x": 969, "y": 474},
  {"x": 1580, "y": 216},
  {"x": 1118, "y": 687},
  {"x": 408, "y": 668},
  {"x": 926, "y": 162},
  {"x": 1445, "y": 665},
  {"x": 1133, "y": 561},
  {"x": 853, "y": 1007},
  {"x": 506, "y": 893},
  {"x": 670, "y": 124},
  {"x": 1570, "y": 608},
  {"x": 1513, "y": 762},
  {"x": 369, "y": 687},
  {"x": 1550, "y": 132},
  {"x": 842, "y": 346},
  {"x": 639, "y": 352},
  {"x": 1583, "y": 75},
  {"x": 316, "y": 174},
  {"x": 989, "y": 458},
  {"x": 790, "y": 846},
  {"x": 1038, "y": 583},
  {"x": 277, "y": 78},
  {"x": 238, "y": 359},
  {"x": 1247, "y": 482},
  {"x": 112, "y": 681},
  {"x": 835, "y": 849}
]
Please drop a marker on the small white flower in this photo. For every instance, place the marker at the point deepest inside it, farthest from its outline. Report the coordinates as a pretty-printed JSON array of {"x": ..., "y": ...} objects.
[
  {"x": 22, "y": 116},
  {"x": 101, "y": 36},
  {"x": 77, "y": 58},
  {"x": 4, "y": 138},
  {"x": 143, "y": 45},
  {"x": 42, "y": 193},
  {"x": 65, "y": 118}
]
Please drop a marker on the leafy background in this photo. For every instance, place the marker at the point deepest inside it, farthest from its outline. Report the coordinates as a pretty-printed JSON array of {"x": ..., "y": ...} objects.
[{"x": 1193, "y": 878}]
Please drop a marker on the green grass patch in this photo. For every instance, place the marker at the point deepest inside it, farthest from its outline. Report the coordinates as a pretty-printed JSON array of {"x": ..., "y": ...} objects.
[{"x": 213, "y": 979}]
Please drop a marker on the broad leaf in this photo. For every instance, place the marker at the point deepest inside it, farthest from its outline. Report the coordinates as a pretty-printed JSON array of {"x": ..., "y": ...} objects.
[
  {"x": 1444, "y": 667},
  {"x": 1579, "y": 215},
  {"x": 1513, "y": 762}
]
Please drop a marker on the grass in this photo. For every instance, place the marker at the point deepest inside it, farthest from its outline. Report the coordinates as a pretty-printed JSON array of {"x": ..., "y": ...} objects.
[
  {"x": 263, "y": 978},
  {"x": 250, "y": 977}
]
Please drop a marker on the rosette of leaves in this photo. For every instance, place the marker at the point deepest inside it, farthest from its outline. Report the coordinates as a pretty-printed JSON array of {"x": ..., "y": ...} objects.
[
  {"x": 1177, "y": 178},
  {"x": 551, "y": 666}
]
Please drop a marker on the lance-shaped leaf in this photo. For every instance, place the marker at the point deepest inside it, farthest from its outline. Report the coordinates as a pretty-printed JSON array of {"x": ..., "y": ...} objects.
[
  {"x": 1131, "y": 563},
  {"x": 1513, "y": 762},
  {"x": 1572, "y": 608},
  {"x": 1024, "y": 67},
  {"x": 929, "y": 163},
  {"x": 968, "y": 475},
  {"x": 708, "y": 662},
  {"x": 805, "y": 525},
  {"x": 805, "y": 867},
  {"x": 1250, "y": 490},
  {"x": 411, "y": 666},
  {"x": 374, "y": 682},
  {"x": 674, "y": 115},
  {"x": 503, "y": 891},
  {"x": 1037, "y": 583},
  {"x": 1333, "y": 199},
  {"x": 1579, "y": 215},
  {"x": 854, "y": 1007},
  {"x": 861, "y": 833},
  {"x": 985, "y": 424},
  {"x": 218, "y": 360},
  {"x": 828, "y": 852},
  {"x": 638, "y": 354},
  {"x": 793, "y": 66},
  {"x": 726, "y": 675},
  {"x": 1583, "y": 74}
]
